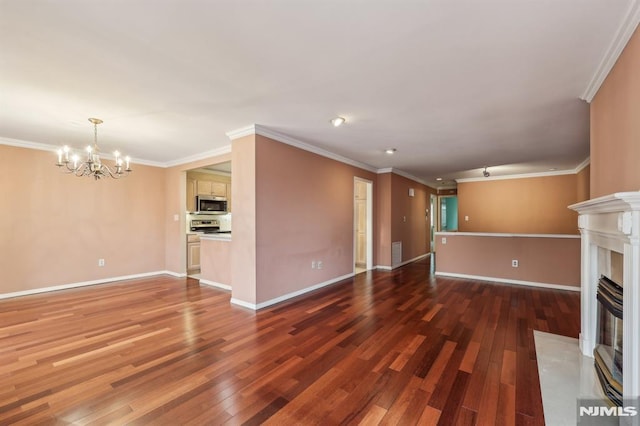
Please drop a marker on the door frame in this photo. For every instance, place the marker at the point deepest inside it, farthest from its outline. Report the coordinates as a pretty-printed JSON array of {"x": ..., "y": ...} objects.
[{"x": 369, "y": 222}]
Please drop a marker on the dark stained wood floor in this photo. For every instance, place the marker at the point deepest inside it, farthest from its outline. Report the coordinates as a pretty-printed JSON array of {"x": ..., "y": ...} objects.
[{"x": 391, "y": 348}]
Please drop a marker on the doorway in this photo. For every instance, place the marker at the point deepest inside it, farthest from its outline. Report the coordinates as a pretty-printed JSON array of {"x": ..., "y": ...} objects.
[
  {"x": 448, "y": 220},
  {"x": 432, "y": 221},
  {"x": 362, "y": 225}
]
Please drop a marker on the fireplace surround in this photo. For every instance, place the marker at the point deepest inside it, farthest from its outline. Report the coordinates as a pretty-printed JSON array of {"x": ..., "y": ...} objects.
[{"x": 610, "y": 258}]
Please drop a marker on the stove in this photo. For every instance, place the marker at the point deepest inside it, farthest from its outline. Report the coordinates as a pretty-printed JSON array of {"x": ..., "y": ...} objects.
[{"x": 208, "y": 226}]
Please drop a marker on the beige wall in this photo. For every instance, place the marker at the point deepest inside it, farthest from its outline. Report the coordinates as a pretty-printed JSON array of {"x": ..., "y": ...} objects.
[
  {"x": 582, "y": 181},
  {"x": 215, "y": 261},
  {"x": 304, "y": 209},
  {"x": 541, "y": 260},
  {"x": 615, "y": 126},
  {"x": 383, "y": 219},
  {"x": 243, "y": 225},
  {"x": 525, "y": 206},
  {"x": 54, "y": 227}
]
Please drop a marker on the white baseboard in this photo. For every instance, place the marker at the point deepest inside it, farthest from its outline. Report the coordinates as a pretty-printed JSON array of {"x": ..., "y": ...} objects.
[
  {"x": 287, "y": 296},
  {"x": 215, "y": 284},
  {"x": 506, "y": 281},
  {"x": 390, "y": 268},
  {"x": 86, "y": 283}
]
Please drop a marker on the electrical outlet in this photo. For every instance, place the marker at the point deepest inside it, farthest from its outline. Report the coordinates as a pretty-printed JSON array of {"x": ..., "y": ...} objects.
[
  {"x": 100, "y": 262},
  {"x": 319, "y": 264},
  {"x": 444, "y": 240},
  {"x": 313, "y": 264},
  {"x": 176, "y": 218},
  {"x": 466, "y": 218},
  {"x": 514, "y": 263},
  {"x": 404, "y": 218}
]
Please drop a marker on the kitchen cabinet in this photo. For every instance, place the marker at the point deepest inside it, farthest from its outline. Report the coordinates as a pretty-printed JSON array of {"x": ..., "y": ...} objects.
[
  {"x": 208, "y": 187},
  {"x": 193, "y": 253},
  {"x": 191, "y": 194},
  {"x": 229, "y": 197}
]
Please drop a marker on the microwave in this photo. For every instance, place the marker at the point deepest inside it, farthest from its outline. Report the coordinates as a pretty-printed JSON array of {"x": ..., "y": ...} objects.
[{"x": 210, "y": 204}]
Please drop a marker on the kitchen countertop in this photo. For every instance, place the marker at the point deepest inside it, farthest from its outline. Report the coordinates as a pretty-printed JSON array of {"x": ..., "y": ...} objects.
[{"x": 216, "y": 237}]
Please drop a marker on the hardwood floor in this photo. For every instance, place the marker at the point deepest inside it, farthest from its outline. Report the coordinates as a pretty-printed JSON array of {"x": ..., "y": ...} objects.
[{"x": 397, "y": 347}]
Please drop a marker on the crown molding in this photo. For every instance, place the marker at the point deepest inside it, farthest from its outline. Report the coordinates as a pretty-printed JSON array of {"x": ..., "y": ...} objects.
[
  {"x": 280, "y": 137},
  {"x": 242, "y": 132},
  {"x": 403, "y": 174},
  {"x": 54, "y": 148},
  {"x": 624, "y": 32},
  {"x": 518, "y": 176},
  {"x": 201, "y": 156},
  {"x": 582, "y": 165}
]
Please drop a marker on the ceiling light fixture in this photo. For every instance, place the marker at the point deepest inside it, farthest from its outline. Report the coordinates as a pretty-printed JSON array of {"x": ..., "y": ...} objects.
[
  {"x": 92, "y": 166},
  {"x": 438, "y": 179},
  {"x": 485, "y": 173},
  {"x": 338, "y": 121},
  {"x": 390, "y": 150}
]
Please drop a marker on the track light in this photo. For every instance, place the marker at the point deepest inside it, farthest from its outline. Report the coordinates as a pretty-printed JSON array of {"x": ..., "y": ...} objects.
[{"x": 485, "y": 173}]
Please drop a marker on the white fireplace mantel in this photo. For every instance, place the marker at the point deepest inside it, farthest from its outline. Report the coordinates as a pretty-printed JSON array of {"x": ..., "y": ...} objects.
[{"x": 612, "y": 223}]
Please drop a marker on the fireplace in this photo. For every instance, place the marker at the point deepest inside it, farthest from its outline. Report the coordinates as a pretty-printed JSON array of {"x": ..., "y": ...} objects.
[
  {"x": 610, "y": 294},
  {"x": 608, "y": 350}
]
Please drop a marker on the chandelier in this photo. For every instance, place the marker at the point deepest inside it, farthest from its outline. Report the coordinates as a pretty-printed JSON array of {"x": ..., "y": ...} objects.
[{"x": 70, "y": 162}]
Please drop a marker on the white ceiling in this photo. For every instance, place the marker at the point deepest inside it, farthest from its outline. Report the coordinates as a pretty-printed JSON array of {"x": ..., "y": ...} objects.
[{"x": 454, "y": 85}]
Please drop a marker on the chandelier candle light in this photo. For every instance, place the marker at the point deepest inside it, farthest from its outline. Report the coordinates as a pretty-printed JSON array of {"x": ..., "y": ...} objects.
[{"x": 92, "y": 166}]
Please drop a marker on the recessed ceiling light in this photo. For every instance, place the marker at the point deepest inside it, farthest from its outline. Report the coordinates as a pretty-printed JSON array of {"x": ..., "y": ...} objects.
[
  {"x": 390, "y": 150},
  {"x": 338, "y": 121},
  {"x": 438, "y": 179}
]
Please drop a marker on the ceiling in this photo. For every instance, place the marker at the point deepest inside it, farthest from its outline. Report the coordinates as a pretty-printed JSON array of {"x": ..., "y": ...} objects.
[{"x": 453, "y": 85}]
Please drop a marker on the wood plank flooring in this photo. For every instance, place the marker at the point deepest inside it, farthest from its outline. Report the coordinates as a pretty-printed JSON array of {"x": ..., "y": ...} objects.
[{"x": 389, "y": 348}]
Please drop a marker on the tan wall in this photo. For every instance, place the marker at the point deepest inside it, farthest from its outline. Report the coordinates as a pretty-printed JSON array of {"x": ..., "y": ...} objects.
[
  {"x": 54, "y": 227},
  {"x": 409, "y": 220},
  {"x": 304, "y": 212},
  {"x": 615, "y": 126},
  {"x": 583, "y": 184},
  {"x": 524, "y": 206},
  {"x": 383, "y": 219},
  {"x": 541, "y": 260}
]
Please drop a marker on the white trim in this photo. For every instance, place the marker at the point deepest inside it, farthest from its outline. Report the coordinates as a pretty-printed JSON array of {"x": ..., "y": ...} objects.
[
  {"x": 53, "y": 148},
  {"x": 258, "y": 129},
  {"x": 263, "y": 131},
  {"x": 175, "y": 274},
  {"x": 215, "y": 284},
  {"x": 85, "y": 283},
  {"x": 291, "y": 295},
  {"x": 519, "y": 176},
  {"x": 197, "y": 157},
  {"x": 495, "y": 234},
  {"x": 507, "y": 281},
  {"x": 582, "y": 165},
  {"x": 241, "y": 132},
  {"x": 242, "y": 303},
  {"x": 406, "y": 262},
  {"x": 613, "y": 52},
  {"x": 403, "y": 174}
]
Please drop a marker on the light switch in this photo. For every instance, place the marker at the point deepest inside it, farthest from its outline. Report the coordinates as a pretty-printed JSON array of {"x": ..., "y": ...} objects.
[
  {"x": 176, "y": 217},
  {"x": 444, "y": 240},
  {"x": 466, "y": 218}
]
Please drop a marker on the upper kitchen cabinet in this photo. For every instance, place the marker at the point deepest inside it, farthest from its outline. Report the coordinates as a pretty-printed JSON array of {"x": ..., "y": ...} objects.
[
  {"x": 208, "y": 187},
  {"x": 212, "y": 180}
]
